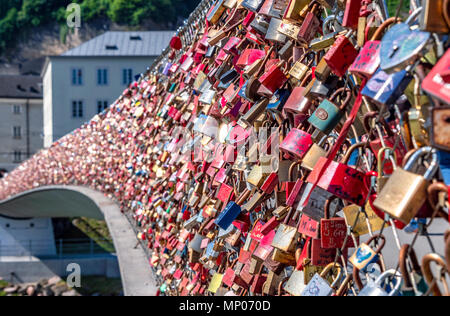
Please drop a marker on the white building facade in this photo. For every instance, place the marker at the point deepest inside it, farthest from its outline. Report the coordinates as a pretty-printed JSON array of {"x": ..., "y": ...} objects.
[
  {"x": 21, "y": 114},
  {"x": 86, "y": 80}
]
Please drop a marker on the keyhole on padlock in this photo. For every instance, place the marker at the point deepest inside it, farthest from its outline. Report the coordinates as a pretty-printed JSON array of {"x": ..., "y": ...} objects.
[
  {"x": 447, "y": 119},
  {"x": 394, "y": 50}
]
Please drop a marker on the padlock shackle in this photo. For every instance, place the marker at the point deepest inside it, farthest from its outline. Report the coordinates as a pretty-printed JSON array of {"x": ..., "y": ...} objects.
[
  {"x": 388, "y": 274},
  {"x": 374, "y": 238},
  {"x": 433, "y": 198},
  {"x": 374, "y": 115},
  {"x": 407, "y": 252},
  {"x": 378, "y": 34},
  {"x": 447, "y": 248},
  {"x": 291, "y": 170},
  {"x": 308, "y": 77},
  {"x": 347, "y": 99},
  {"x": 280, "y": 286},
  {"x": 428, "y": 273},
  {"x": 327, "y": 270},
  {"x": 381, "y": 159},
  {"x": 413, "y": 16},
  {"x": 434, "y": 165},
  {"x": 446, "y": 12},
  {"x": 350, "y": 151},
  {"x": 327, "y": 206},
  {"x": 357, "y": 277}
]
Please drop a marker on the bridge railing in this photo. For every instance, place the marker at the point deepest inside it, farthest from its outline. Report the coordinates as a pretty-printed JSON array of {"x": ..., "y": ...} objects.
[{"x": 61, "y": 248}]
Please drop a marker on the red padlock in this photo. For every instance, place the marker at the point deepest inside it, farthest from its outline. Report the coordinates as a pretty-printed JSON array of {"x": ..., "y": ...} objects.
[{"x": 339, "y": 179}]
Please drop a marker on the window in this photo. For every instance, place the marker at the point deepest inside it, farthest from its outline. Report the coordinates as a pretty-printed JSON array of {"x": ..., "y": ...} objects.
[
  {"x": 102, "y": 105},
  {"x": 127, "y": 76},
  {"x": 17, "y": 109},
  {"x": 77, "y": 77},
  {"x": 102, "y": 77},
  {"x": 17, "y": 156},
  {"x": 77, "y": 109},
  {"x": 17, "y": 132}
]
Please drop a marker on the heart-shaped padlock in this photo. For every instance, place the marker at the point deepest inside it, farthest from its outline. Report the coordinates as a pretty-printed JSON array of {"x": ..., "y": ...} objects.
[{"x": 402, "y": 46}]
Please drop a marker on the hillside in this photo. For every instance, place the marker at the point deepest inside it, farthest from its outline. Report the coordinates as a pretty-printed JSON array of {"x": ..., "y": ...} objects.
[{"x": 32, "y": 29}]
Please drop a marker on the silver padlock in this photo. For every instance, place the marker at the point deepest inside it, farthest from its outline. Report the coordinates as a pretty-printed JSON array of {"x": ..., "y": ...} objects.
[{"x": 377, "y": 288}]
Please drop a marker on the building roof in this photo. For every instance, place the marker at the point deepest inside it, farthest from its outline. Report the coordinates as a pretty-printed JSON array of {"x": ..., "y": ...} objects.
[
  {"x": 20, "y": 87},
  {"x": 150, "y": 43}
]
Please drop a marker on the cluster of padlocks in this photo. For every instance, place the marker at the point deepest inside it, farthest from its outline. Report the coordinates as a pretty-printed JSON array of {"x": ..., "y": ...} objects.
[{"x": 269, "y": 140}]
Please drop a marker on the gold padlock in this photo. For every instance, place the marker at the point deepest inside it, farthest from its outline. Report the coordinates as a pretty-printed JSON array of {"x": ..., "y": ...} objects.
[
  {"x": 405, "y": 192},
  {"x": 316, "y": 151}
]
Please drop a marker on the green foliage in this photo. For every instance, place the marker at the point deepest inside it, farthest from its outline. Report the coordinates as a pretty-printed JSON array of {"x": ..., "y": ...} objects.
[
  {"x": 21, "y": 15},
  {"x": 394, "y": 4}
]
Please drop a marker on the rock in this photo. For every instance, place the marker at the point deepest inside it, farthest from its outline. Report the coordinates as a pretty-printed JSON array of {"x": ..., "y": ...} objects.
[
  {"x": 54, "y": 280},
  {"x": 59, "y": 289},
  {"x": 10, "y": 290},
  {"x": 71, "y": 293},
  {"x": 47, "y": 292},
  {"x": 43, "y": 282},
  {"x": 31, "y": 291}
]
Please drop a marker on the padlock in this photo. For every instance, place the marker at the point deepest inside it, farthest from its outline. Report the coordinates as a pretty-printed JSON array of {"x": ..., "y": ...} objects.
[
  {"x": 272, "y": 32},
  {"x": 295, "y": 284},
  {"x": 383, "y": 88},
  {"x": 428, "y": 273},
  {"x": 272, "y": 80},
  {"x": 437, "y": 81},
  {"x": 316, "y": 151},
  {"x": 299, "y": 70},
  {"x": 341, "y": 55},
  {"x": 372, "y": 272},
  {"x": 297, "y": 143},
  {"x": 310, "y": 25},
  {"x": 440, "y": 117},
  {"x": 252, "y": 5},
  {"x": 322, "y": 71},
  {"x": 368, "y": 60},
  {"x": 318, "y": 286},
  {"x": 297, "y": 103},
  {"x": 345, "y": 182},
  {"x": 432, "y": 17},
  {"x": 333, "y": 231},
  {"x": 286, "y": 235},
  {"x": 365, "y": 255},
  {"x": 377, "y": 288},
  {"x": 402, "y": 46},
  {"x": 413, "y": 282},
  {"x": 328, "y": 115},
  {"x": 351, "y": 14},
  {"x": 403, "y": 201},
  {"x": 228, "y": 215},
  {"x": 294, "y": 8}
]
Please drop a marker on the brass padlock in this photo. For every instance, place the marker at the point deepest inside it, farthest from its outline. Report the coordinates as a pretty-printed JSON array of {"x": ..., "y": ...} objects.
[
  {"x": 405, "y": 192},
  {"x": 432, "y": 17},
  {"x": 316, "y": 152}
]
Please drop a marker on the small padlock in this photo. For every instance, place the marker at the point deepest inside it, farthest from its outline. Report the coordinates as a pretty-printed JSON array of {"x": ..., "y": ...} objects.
[
  {"x": 318, "y": 286},
  {"x": 328, "y": 115},
  {"x": 365, "y": 255}
]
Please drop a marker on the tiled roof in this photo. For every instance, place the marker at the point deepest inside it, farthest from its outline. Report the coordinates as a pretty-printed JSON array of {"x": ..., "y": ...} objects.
[
  {"x": 15, "y": 86},
  {"x": 150, "y": 43}
]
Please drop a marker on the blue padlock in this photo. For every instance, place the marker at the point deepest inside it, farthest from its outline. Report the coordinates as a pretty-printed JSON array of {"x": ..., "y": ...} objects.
[
  {"x": 328, "y": 115},
  {"x": 385, "y": 88},
  {"x": 228, "y": 215},
  {"x": 278, "y": 100}
]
